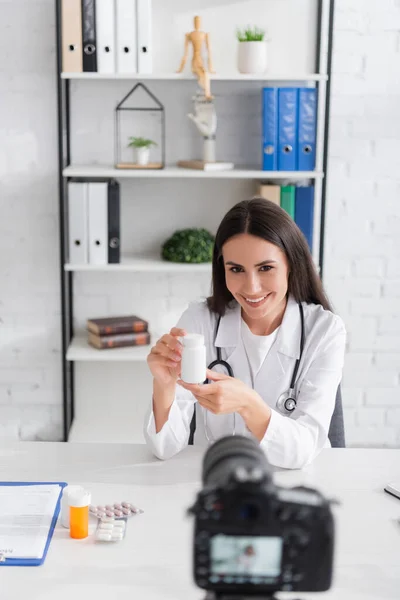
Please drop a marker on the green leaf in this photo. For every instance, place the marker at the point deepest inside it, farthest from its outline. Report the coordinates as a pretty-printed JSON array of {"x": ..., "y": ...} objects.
[
  {"x": 249, "y": 34},
  {"x": 140, "y": 142},
  {"x": 189, "y": 246}
]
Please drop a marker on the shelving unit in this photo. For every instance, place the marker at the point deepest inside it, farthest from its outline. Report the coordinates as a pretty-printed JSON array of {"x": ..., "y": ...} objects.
[
  {"x": 74, "y": 344},
  {"x": 143, "y": 265},
  {"x": 80, "y": 350},
  {"x": 268, "y": 77},
  {"x": 181, "y": 173}
]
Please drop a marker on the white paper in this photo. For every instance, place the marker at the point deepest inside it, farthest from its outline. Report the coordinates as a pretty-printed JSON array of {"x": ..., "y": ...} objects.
[{"x": 26, "y": 513}]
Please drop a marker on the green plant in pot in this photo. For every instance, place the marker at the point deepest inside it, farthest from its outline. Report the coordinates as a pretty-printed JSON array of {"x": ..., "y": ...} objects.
[
  {"x": 250, "y": 34},
  {"x": 252, "y": 50},
  {"x": 142, "y": 147},
  {"x": 189, "y": 246}
]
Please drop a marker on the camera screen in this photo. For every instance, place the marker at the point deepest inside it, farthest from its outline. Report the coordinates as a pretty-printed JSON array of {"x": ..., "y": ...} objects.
[{"x": 240, "y": 559}]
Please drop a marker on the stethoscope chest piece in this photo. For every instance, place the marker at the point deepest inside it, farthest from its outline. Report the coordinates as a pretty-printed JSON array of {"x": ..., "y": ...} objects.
[{"x": 286, "y": 402}]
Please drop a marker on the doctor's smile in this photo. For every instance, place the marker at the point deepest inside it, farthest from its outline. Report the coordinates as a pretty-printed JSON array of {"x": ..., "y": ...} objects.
[
  {"x": 272, "y": 344},
  {"x": 259, "y": 284}
]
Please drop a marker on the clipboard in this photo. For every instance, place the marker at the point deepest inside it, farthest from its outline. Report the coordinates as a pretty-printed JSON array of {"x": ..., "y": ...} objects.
[{"x": 35, "y": 562}]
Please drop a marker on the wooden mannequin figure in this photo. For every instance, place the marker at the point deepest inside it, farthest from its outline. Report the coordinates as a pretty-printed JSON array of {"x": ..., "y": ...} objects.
[{"x": 197, "y": 38}]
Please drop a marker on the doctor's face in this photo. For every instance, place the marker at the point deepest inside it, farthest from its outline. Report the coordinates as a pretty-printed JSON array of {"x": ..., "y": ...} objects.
[{"x": 256, "y": 274}]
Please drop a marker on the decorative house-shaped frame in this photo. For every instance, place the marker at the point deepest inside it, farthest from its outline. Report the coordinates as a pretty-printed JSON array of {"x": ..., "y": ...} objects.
[{"x": 139, "y": 121}]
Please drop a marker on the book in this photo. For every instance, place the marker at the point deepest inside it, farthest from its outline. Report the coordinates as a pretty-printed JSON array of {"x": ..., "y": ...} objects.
[
  {"x": 270, "y": 192},
  {"x": 205, "y": 166},
  {"x": 114, "y": 325},
  {"x": 304, "y": 212},
  {"x": 119, "y": 340},
  {"x": 288, "y": 199}
]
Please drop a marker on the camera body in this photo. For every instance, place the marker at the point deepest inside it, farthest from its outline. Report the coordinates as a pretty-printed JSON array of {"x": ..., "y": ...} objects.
[{"x": 252, "y": 537}]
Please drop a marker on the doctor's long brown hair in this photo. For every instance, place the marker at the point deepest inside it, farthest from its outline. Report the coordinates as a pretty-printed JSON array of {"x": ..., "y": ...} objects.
[{"x": 268, "y": 221}]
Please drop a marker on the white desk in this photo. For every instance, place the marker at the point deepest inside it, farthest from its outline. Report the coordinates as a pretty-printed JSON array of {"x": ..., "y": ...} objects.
[{"x": 154, "y": 560}]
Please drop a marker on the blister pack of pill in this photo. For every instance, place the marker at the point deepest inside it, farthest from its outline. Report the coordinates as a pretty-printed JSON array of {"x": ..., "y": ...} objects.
[
  {"x": 110, "y": 530},
  {"x": 116, "y": 510}
]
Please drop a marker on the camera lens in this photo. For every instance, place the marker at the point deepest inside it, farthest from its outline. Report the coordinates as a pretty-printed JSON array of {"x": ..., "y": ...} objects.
[
  {"x": 249, "y": 512},
  {"x": 223, "y": 459}
]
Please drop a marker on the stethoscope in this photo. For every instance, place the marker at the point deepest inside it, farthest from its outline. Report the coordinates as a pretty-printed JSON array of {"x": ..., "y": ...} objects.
[{"x": 286, "y": 402}]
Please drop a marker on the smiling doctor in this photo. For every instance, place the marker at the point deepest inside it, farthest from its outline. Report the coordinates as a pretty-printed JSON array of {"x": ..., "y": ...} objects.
[{"x": 270, "y": 324}]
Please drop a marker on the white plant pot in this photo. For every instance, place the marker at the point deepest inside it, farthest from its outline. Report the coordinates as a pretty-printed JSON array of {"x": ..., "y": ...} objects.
[
  {"x": 252, "y": 57},
  {"x": 142, "y": 156}
]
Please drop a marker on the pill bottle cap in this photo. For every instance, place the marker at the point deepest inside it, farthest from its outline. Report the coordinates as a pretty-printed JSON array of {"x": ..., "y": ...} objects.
[
  {"x": 193, "y": 340},
  {"x": 69, "y": 489},
  {"x": 79, "y": 498}
]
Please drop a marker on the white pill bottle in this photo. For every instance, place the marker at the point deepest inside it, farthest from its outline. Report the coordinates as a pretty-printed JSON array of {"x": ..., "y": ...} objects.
[{"x": 193, "y": 365}]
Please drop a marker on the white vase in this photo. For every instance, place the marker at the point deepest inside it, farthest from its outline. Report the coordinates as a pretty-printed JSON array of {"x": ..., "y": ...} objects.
[
  {"x": 142, "y": 156},
  {"x": 252, "y": 57}
]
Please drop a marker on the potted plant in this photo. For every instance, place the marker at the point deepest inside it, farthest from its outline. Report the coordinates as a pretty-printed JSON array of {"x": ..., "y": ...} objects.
[
  {"x": 252, "y": 50},
  {"x": 194, "y": 245},
  {"x": 142, "y": 149}
]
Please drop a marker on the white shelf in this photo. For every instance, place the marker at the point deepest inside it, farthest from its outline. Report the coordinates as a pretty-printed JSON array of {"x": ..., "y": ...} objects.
[
  {"x": 143, "y": 264},
  {"x": 180, "y": 173},
  {"x": 107, "y": 429},
  {"x": 189, "y": 77},
  {"x": 79, "y": 350},
  {"x": 104, "y": 430}
]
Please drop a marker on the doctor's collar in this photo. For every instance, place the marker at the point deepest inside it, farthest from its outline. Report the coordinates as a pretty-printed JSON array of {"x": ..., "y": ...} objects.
[{"x": 228, "y": 335}]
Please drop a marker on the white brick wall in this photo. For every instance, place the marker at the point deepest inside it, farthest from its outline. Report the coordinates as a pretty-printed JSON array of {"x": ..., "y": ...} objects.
[
  {"x": 30, "y": 375},
  {"x": 362, "y": 265}
]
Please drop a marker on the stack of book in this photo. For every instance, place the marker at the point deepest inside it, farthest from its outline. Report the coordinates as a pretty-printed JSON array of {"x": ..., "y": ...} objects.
[
  {"x": 298, "y": 201},
  {"x": 116, "y": 332}
]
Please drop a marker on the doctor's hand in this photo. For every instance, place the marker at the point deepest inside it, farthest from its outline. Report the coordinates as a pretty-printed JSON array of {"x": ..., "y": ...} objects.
[
  {"x": 165, "y": 357},
  {"x": 224, "y": 395}
]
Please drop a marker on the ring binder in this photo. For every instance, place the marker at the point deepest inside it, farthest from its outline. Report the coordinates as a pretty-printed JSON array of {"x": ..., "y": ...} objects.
[{"x": 89, "y": 35}]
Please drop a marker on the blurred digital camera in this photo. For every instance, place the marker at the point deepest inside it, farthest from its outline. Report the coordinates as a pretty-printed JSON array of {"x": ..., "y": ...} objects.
[{"x": 252, "y": 537}]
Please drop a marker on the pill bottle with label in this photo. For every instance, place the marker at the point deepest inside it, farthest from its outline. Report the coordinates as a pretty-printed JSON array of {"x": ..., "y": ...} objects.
[
  {"x": 79, "y": 501},
  {"x": 193, "y": 365}
]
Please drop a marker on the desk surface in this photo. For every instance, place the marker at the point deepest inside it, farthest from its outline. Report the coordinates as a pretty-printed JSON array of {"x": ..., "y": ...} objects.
[{"x": 154, "y": 560}]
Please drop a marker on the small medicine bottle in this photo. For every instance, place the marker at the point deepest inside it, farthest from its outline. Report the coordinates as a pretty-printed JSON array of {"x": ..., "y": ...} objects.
[
  {"x": 79, "y": 501},
  {"x": 69, "y": 489},
  {"x": 193, "y": 365}
]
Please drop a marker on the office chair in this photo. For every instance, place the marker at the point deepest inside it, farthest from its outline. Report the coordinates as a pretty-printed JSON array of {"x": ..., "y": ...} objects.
[{"x": 336, "y": 429}]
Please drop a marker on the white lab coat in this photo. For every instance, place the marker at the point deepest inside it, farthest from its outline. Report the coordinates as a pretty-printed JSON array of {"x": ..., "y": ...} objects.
[{"x": 293, "y": 440}]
